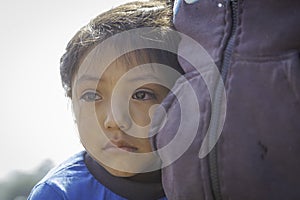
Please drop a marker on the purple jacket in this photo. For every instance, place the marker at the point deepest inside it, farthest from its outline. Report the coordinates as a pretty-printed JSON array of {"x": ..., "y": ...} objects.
[{"x": 255, "y": 44}]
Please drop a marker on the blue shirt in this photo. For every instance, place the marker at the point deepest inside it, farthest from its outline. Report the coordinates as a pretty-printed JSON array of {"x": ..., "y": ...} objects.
[{"x": 72, "y": 180}]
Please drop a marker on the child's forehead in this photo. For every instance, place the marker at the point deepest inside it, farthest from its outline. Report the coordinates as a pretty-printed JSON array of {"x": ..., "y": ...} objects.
[
  {"x": 121, "y": 69},
  {"x": 111, "y": 59}
]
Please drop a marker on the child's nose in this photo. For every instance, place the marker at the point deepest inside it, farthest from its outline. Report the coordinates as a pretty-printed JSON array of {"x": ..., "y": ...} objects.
[{"x": 110, "y": 121}]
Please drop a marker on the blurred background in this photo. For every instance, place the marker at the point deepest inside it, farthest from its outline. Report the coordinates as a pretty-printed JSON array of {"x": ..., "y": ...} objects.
[{"x": 37, "y": 128}]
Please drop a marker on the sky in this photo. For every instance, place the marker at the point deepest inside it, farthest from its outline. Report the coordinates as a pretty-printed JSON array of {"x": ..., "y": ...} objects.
[{"x": 36, "y": 121}]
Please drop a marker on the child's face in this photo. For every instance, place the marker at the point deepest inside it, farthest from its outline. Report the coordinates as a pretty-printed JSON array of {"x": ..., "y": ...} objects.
[{"x": 108, "y": 113}]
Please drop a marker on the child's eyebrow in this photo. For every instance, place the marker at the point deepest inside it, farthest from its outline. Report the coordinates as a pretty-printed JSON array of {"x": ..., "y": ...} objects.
[
  {"x": 149, "y": 77},
  {"x": 146, "y": 77},
  {"x": 87, "y": 78}
]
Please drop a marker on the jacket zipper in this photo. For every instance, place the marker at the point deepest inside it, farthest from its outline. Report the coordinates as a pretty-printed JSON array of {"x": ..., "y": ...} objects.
[{"x": 213, "y": 164}]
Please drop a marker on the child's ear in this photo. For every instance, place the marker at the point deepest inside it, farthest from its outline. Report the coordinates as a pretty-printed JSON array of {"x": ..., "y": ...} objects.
[
  {"x": 71, "y": 106},
  {"x": 73, "y": 114}
]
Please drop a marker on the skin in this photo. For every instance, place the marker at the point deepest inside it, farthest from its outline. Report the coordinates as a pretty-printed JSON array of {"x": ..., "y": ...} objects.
[{"x": 106, "y": 131}]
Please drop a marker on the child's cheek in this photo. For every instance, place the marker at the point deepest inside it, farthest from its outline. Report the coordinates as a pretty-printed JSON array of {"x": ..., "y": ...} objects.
[
  {"x": 139, "y": 113},
  {"x": 91, "y": 133}
]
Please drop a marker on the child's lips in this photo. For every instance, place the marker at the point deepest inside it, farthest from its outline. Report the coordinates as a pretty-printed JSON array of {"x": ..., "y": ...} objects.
[{"x": 117, "y": 145}]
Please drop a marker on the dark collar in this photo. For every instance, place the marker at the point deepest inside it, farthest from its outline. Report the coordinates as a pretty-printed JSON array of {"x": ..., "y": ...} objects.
[{"x": 146, "y": 186}]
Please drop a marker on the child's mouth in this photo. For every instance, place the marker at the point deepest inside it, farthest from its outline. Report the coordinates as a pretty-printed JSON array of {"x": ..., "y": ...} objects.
[{"x": 112, "y": 146}]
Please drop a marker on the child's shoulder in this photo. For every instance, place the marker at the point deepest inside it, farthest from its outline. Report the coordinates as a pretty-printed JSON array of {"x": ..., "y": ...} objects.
[
  {"x": 63, "y": 180},
  {"x": 70, "y": 168}
]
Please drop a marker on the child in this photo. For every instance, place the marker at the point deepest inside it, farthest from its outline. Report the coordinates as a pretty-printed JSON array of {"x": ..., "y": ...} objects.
[{"x": 114, "y": 85}]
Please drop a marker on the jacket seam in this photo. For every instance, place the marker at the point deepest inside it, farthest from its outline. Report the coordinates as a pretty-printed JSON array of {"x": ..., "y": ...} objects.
[
  {"x": 222, "y": 39},
  {"x": 239, "y": 25}
]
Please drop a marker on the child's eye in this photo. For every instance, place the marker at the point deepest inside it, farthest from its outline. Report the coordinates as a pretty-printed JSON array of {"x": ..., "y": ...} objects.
[
  {"x": 90, "y": 96},
  {"x": 143, "y": 95}
]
